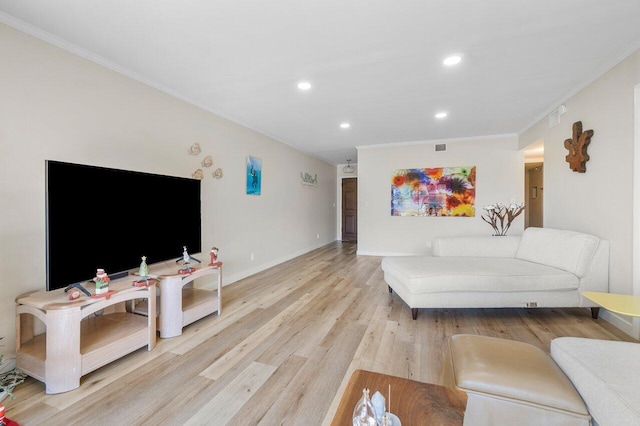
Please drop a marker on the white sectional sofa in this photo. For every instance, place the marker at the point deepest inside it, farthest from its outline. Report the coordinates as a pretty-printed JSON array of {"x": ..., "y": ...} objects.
[
  {"x": 606, "y": 374},
  {"x": 542, "y": 268}
]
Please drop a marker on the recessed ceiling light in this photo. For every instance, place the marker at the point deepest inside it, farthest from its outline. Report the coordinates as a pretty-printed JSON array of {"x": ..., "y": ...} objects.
[
  {"x": 304, "y": 85},
  {"x": 452, "y": 60},
  {"x": 441, "y": 115},
  {"x": 345, "y": 125}
]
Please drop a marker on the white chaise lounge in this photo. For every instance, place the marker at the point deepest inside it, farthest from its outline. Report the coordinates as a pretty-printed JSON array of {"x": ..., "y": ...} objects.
[{"x": 542, "y": 268}]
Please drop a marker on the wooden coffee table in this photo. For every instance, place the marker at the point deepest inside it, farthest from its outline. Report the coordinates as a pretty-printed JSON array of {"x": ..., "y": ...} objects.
[{"x": 415, "y": 403}]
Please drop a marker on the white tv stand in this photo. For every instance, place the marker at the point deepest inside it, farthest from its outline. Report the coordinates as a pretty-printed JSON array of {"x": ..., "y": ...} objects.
[
  {"x": 180, "y": 303},
  {"x": 77, "y": 342}
]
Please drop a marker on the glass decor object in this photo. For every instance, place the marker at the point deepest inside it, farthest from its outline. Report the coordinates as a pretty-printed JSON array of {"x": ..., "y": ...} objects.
[
  {"x": 379, "y": 405},
  {"x": 364, "y": 414}
]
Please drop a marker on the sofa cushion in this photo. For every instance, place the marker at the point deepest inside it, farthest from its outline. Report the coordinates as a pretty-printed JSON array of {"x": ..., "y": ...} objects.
[
  {"x": 605, "y": 373},
  {"x": 427, "y": 274},
  {"x": 505, "y": 246},
  {"x": 567, "y": 250}
]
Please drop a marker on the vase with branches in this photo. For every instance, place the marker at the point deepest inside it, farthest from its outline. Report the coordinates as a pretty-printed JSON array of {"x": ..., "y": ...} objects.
[{"x": 500, "y": 216}]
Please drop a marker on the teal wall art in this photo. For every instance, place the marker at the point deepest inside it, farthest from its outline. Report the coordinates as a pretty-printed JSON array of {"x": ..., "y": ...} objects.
[{"x": 254, "y": 175}]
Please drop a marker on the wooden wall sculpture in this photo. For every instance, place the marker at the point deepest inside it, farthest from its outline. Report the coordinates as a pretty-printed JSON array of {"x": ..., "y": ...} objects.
[{"x": 578, "y": 157}]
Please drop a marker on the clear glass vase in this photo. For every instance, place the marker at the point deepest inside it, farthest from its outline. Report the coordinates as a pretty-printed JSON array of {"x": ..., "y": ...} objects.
[{"x": 364, "y": 414}]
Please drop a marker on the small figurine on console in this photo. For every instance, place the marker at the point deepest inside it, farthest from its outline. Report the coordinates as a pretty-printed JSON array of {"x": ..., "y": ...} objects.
[
  {"x": 102, "y": 281},
  {"x": 144, "y": 268},
  {"x": 143, "y": 272},
  {"x": 186, "y": 259},
  {"x": 214, "y": 255},
  {"x": 74, "y": 294},
  {"x": 214, "y": 258}
]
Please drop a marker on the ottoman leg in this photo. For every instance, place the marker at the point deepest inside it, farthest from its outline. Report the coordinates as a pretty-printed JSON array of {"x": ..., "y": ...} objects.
[
  {"x": 595, "y": 312},
  {"x": 390, "y": 289},
  {"x": 414, "y": 313}
]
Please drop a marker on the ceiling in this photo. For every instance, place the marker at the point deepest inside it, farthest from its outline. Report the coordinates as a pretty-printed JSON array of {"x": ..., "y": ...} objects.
[{"x": 376, "y": 64}]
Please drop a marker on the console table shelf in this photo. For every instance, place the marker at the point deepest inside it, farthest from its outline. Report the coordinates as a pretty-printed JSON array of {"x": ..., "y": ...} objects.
[
  {"x": 180, "y": 303},
  {"x": 198, "y": 303},
  {"x": 77, "y": 340}
]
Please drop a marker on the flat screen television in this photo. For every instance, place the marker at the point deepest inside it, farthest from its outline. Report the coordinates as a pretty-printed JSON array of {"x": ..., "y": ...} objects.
[{"x": 106, "y": 218}]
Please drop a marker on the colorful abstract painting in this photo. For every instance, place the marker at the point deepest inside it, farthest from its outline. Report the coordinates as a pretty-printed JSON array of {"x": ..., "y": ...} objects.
[
  {"x": 254, "y": 175},
  {"x": 444, "y": 191}
]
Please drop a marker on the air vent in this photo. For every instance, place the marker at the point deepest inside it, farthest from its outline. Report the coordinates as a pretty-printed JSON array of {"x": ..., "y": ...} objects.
[{"x": 440, "y": 147}]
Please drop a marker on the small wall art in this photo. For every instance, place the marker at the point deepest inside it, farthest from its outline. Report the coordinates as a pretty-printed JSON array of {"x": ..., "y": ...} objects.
[
  {"x": 254, "y": 176},
  {"x": 577, "y": 146},
  {"x": 308, "y": 179},
  {"x": 443, "y": 191}
]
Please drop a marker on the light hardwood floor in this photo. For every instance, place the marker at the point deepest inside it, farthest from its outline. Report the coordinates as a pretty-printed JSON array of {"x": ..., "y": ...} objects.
[{"x": 284, "y": 348}]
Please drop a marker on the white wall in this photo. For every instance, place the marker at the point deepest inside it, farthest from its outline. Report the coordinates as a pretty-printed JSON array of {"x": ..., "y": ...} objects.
[
  {"x": 599, "y": 201},
  {"x": 500, "y": 178},
  {"x": 55, "y": 105}
]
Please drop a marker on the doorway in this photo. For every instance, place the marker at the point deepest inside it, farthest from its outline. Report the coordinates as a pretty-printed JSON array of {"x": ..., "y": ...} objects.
[
  {"x": 534, "y": 190},
  {"x": 350, "y": 209}
]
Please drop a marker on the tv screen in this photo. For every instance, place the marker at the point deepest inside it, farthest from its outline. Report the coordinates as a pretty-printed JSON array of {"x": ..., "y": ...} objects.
[{"x": 107, "y": 218}]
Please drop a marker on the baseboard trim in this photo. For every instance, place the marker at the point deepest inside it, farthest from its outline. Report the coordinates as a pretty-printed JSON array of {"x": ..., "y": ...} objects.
[
  {"x": 8, "y": 364},
  {"x": 226, "y": 280},
  {"x": 619, "y": 322}
]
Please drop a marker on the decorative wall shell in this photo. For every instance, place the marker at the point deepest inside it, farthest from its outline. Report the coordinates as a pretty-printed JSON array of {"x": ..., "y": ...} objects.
[
  {"x": 207, "y": 162},
  {"x": 194, "y": 149}
]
